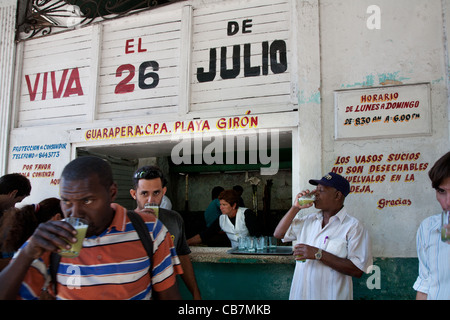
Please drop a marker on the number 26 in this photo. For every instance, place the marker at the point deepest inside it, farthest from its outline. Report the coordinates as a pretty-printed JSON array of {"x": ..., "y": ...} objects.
[{"x": 125, "y": 86}]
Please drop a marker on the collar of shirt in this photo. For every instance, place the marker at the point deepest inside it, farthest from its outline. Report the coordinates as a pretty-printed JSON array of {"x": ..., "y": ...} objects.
[
  {"x": 119, "y": 220},
  {"x": 340, "y": 215}
]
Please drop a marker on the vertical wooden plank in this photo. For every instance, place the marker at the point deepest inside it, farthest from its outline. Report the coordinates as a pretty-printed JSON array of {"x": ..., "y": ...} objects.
[
  {"x": 185, "y": 60},
  {"x": 238, "y": 57},
  {"x": 92, "y": 104},
  {"x": 55, "y": 80},
  {"x": 140, "y": 65}
]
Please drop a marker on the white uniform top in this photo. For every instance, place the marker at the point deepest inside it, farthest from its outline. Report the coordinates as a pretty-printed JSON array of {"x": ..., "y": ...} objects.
[
  {"x": 343, "y": 236},
  {"x": 234, "y": 231}
]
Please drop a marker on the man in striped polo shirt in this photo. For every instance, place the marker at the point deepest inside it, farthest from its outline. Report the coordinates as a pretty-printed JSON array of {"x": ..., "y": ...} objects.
[{"x": 112, "y": 264}]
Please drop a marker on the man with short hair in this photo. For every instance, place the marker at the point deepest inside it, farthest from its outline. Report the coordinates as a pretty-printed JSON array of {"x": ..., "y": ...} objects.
[
  {"x": 433, "y": 281},
  {"x": 112, "y": 264},
  {"x": 332, "y": 246},
  {"x": 149, "y": 186},
  {"x": 14, "y": 187}
]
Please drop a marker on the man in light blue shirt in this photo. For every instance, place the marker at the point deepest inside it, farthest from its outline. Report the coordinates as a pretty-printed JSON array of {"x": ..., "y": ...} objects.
[
  {"x": 433, "y": 282},
  {"x": 213, "y": 212}
]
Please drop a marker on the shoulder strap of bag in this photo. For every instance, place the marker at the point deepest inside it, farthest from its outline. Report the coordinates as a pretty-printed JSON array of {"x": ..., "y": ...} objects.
[
  {"x": 142, "y": 230},
  {"x": 54, "y": 264}
]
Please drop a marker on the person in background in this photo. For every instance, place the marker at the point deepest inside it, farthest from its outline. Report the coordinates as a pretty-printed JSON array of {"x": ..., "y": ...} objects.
[
  {"x": 212, "y": 235},
  {"x": 236, "y": 221},
  {"x": 332, "y": 246},
  {"x": 433, "y": 281},
  {"x": 113, "y": 260},
  {"x": 166, "y": 203},
  {"x": 213, "y": 212},
  {"x": 17, "y": 225},
  {"x": 14, "y": 187},
  {"x": 240, "y": 191},
  {"x": 149, "y": 186}
]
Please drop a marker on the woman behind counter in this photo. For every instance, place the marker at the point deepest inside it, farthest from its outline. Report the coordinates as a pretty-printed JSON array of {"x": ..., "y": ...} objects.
[{"x": 236, "y": 221}]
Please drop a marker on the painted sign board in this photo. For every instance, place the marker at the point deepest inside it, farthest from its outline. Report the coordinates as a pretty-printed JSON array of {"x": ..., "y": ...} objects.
[
  {"x": 383, "y": 112},
  {"x": 165, "y": 61},
  {"x": 55, "y": 79},
  {"x": 241, "y": 47},
  {"x": 41, "y": 157},
  {"x": 139, "y": 65}
]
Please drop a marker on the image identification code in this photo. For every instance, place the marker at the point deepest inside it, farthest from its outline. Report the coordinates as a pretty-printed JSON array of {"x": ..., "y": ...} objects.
[{"x": 228, "y": 309}]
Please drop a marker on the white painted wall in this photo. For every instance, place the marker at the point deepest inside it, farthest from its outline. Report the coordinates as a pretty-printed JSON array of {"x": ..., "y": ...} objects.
[
  {"x": 330, "y": 48},
  {"x": 407, "y": 49}
]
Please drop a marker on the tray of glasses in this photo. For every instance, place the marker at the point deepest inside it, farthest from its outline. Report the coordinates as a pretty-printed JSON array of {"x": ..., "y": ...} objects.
[{"x": 279, "y": 251}]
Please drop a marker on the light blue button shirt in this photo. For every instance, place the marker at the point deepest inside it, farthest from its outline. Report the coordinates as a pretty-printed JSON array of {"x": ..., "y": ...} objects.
[{"x": 434, "y": 260}]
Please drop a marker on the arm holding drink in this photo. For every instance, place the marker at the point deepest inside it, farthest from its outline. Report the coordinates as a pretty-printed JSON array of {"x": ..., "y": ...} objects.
[
  {"x": 48, "y": 237},
  {"x": 286, "y": 221}
]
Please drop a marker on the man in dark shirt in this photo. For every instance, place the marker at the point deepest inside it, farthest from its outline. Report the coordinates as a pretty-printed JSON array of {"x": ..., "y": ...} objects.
[{"x": 149, "y": 186}]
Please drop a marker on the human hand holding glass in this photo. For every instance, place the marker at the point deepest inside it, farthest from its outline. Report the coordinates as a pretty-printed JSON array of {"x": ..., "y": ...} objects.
[
  {"x": 305, "y": 199},
  {"x": 445, "y": 226},
  {"x": 152, "y": 207},
  {"x": 81, "y": 226},
  {"x": 50, "y": 236}
]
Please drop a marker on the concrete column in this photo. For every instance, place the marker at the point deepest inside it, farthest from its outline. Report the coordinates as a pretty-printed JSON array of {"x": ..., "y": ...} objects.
[{"x": 7, "y": 51}]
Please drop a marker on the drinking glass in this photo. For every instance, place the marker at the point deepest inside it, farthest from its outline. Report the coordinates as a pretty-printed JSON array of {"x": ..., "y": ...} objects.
[
  {"x": 81, "y": 226},
  {"x": 445, "y": 219}
]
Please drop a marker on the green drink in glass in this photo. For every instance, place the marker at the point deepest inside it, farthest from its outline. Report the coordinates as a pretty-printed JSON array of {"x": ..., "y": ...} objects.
[
  {"x": 81, "y": 226},
  {"x": 306, "y": 199}
]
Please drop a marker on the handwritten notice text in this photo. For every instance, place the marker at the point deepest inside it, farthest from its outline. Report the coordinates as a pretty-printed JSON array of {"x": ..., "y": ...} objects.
[
  {"x": 383, "y": 112},
  {"x": 368, "y": 171}
]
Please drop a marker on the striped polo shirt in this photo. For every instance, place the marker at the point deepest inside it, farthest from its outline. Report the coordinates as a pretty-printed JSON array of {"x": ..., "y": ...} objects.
[{"x": 113, "y": 265}]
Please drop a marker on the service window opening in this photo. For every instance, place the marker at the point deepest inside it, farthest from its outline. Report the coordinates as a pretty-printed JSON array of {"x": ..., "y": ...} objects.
[{"x": 193, "y": 167}]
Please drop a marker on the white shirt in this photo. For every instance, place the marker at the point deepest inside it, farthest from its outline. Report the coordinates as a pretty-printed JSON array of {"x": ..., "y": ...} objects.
[
  {"x": 166, "y": 203},
  {"x": 343, "y": 236},
  {"x": 434, "y": 260},
  {"x": 239, "y": 229}
]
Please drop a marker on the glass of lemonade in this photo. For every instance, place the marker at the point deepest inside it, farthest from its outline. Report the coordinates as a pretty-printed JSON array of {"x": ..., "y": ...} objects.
[
  {"x": 81, "y": 225},
  {"x": 306, "y": 199},
  {"x": 154, "y": 207},
  {"x": 445, "y": 219}
]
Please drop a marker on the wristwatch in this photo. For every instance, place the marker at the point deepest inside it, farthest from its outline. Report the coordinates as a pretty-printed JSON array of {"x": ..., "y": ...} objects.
[{"x": 318, "y": 254}]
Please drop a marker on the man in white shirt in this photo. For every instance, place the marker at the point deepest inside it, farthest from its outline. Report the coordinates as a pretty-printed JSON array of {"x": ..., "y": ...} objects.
[
  {"x": 332, "y": 246},
  {"x": 433, "y": 282}
]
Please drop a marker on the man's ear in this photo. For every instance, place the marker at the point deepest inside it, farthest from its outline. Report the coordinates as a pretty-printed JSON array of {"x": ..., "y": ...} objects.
[
  {"x": 340, "y": 196},
  {"x": 12, "y": 194},
  {"x": 133, "y": 194},
  {"x": 113, "y": 191},
  {"x": 56, "y": 217}
]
